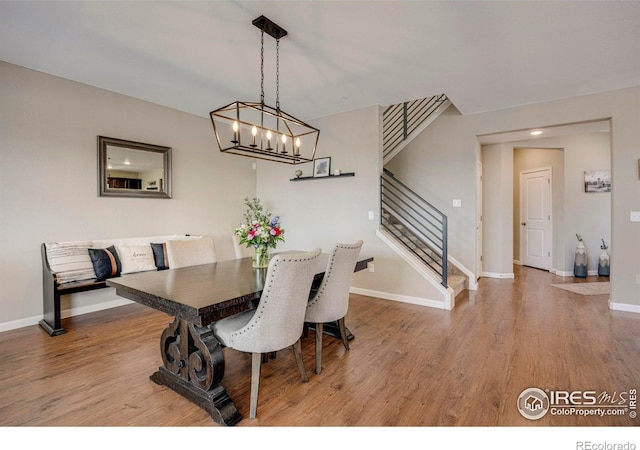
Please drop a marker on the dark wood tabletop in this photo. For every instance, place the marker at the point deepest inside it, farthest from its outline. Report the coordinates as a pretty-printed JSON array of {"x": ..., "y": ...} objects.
[{"x": 205, "y": 293}]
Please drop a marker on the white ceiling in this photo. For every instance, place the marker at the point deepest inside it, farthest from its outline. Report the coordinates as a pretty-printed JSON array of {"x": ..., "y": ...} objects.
[{"x": 338, "y": 56}]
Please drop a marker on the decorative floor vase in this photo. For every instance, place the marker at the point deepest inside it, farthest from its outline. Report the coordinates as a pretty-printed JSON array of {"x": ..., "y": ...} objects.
[
  {"x": 580, "y": 265},
  {"x": 261, "y": 258},
  {"x": 603, "y": 264}
]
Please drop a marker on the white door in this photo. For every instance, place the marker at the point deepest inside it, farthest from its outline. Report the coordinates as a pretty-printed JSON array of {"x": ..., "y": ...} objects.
[{"x": 535, "y": 218}]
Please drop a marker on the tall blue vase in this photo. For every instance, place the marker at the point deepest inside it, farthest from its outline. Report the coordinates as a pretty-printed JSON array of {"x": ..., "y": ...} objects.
[{"x": 580, "y": 264}]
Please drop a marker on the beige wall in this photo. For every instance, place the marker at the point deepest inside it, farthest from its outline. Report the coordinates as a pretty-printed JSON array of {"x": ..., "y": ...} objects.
[
  {"x": 497, "y": 200},
  {"x": 48, "y": 186}
]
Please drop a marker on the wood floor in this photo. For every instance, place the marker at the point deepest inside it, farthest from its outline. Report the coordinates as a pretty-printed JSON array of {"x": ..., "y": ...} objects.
[{"x": 408, "y": 365}]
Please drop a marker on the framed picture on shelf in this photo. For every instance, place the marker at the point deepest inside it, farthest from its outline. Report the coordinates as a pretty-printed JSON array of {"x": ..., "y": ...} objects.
[{"x": 321, "y": 167}]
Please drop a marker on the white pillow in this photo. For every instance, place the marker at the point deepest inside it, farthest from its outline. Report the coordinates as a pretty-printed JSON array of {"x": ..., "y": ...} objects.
[
  {"x": 136, "y": 258},
  {"x": 70, "y": 261}
]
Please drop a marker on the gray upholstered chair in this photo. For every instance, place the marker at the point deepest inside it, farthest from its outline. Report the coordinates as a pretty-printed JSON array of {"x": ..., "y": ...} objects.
[
  {"x": 240, "y": 250},
  {"x": 190, "y": 252},
  {"x": 331, "y": 302},
  {"x": 278, "y": 320}
]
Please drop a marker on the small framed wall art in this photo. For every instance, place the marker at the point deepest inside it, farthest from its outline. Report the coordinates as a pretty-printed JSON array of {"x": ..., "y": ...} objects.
[
  {"x": 321, "y": 167},
  {"x": 597, "y": 181}
]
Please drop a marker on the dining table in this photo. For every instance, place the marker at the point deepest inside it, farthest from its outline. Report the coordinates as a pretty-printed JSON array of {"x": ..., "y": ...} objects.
[{"x": 196, "y": 297}]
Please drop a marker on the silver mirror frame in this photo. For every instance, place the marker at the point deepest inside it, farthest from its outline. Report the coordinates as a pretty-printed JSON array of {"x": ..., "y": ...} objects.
[{"x": 104, "y": 191}]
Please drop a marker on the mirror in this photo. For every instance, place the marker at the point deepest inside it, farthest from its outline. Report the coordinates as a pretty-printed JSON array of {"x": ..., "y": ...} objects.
[{"x": 133, "y": 169}]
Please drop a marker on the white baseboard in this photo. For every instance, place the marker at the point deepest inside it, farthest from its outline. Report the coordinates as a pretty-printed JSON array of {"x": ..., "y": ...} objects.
[
  {"x": 439, "y": 304},
  {"x": 624, "y": 307},
  {"x": 15, "y": 324},
  {"x": 497, "y": 275},
  {"x": 7, "y": 326}
]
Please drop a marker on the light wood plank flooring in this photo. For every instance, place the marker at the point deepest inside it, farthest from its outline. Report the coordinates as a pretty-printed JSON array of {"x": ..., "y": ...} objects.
[{"x": 408, "y": 365}]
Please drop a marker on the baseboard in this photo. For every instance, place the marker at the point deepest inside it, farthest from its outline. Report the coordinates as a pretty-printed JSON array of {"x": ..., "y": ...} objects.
[
  {"x": 439, "y": 304},
  {"x": 624, "y": 307},
  {"x": 497, "y": 275},
  {"x": 14, "y": 325},
  {"x": 78, "y": 311}
]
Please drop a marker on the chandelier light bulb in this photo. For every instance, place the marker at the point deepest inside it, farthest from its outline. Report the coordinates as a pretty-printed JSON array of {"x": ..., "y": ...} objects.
[
  {"x": 235, "y": 133},
  {"x": 254, "y": 131},
  {"x": 269, "y": 140}
]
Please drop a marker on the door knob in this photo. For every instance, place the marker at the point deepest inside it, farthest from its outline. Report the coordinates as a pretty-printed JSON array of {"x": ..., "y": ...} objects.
[{"x": 523, "y": 224}]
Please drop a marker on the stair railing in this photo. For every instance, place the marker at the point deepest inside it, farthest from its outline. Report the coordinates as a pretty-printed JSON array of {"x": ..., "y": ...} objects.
[
  {"x": 413, "y": 221},
  {"x": 400, "y": 120}
]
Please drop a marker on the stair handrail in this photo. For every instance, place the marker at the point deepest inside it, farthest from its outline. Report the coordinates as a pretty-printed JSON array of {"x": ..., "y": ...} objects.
[
  {"x": 401, "y": 119},
  {"x": 399, "y": 204}
]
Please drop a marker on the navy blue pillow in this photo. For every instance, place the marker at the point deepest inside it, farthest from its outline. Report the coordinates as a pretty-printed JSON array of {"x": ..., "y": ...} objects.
[
  {"x": 160, "y": 256},
  {"x": 106, "y": 263}
]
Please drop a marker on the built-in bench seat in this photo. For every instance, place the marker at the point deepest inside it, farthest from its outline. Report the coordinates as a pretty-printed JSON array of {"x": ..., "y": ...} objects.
[{"x": 80, "y": 266}]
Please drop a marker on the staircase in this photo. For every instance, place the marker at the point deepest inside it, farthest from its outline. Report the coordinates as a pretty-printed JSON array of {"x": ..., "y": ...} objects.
[
  {"x": 409, "y": 224},
  {"x": 421, "y": 229}
]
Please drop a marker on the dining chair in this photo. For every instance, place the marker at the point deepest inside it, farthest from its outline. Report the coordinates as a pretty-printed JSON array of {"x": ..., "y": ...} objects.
[
  {"x": 240, "y": 250},
  {"x": 278, "y": 320},
  {"x": 331, "y": 301},
  {"x": 190, "y": 252}
]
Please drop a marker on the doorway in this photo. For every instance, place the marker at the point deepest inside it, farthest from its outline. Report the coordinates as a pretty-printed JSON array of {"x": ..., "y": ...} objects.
[{"x": 535, "y": 218}]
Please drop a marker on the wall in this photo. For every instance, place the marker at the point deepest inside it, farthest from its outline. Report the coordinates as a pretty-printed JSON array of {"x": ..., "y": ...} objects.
[
  {"x": 320, "y": 213},
  {"x": 497, "y": 201},
  {"x": 48, "y": 181},
  {"x": 440, "y": 163}
]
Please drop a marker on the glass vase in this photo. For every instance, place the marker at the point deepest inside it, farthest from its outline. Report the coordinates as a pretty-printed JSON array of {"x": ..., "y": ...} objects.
[{"x": 261, "y": 257}]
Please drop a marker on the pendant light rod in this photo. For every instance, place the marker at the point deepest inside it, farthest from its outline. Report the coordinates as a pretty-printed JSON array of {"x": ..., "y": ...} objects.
[{"x": 266, "y": 25}]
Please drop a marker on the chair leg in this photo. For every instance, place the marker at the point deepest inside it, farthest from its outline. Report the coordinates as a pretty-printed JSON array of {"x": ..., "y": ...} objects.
[
  {"x": 297, "y": 351},
  {"x": 256, "y": 360},
  {"x": 343, "y": 333},
  {"x": 319, "y": 327}
]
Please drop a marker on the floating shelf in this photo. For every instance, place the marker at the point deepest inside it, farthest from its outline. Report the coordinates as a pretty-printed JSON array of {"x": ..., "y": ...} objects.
[{"x": 346, "y": 174}]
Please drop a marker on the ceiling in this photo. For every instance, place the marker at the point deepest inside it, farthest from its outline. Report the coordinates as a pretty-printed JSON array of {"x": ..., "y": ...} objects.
[{"x": 338, "y": 56}]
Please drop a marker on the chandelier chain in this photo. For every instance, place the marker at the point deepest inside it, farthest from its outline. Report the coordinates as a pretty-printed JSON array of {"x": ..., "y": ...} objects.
[{"x": 262, "y": 67}]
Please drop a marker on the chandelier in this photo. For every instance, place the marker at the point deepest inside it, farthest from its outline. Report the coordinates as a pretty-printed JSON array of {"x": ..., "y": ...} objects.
[{"x": 257, "y": 130}]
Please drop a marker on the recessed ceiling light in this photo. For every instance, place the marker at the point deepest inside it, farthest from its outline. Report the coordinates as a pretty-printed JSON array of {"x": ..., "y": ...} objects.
[{"x": 536, "y": 133}]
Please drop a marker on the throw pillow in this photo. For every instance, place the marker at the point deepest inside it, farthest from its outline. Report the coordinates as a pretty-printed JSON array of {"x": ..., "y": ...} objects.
[
  {"x": 70, "y": 261},
  {"x": 106, "y": 263},
  {"x": 160, "y": 255},
  {"x": 136, "y": 258}
]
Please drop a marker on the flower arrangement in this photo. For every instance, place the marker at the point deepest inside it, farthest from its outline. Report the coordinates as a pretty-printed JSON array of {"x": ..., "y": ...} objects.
[{"x": 259, "y": 231}]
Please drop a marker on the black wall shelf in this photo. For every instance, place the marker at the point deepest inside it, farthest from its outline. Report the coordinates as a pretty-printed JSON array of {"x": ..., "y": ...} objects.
[{"x": 346, "y": 174}]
